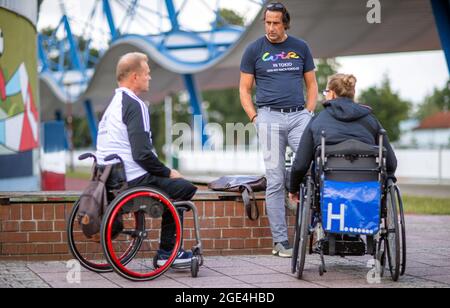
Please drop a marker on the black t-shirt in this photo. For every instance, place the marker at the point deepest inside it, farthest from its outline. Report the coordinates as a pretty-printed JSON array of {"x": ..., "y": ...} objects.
[{"x": 278, "y": 71}]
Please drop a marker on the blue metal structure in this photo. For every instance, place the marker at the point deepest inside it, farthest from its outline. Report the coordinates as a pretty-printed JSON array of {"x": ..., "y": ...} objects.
[
  {"x": 68, "y": 59},
  {"x": 173, "y": 15},
  {"x": 92, "y": 121},
  {"x": 109, "y": 16},
  {"x": 441, "y": 10}
]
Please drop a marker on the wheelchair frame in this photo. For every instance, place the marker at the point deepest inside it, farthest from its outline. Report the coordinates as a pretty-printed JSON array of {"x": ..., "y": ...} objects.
[
  {"x": 138, "y": 233},
  {"x": 390, "y": 242}
]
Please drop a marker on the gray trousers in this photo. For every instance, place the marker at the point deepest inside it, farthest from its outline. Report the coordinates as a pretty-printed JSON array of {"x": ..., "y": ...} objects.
[{"x": 276, "y": 131}]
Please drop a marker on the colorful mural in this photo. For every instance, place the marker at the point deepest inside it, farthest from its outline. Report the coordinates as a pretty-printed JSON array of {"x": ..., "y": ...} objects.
[{"x": 19, "y": 109}]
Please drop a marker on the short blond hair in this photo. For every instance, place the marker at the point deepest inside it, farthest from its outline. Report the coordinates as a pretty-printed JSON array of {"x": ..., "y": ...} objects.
[
  {"x": 343, "y": 85},
  {"x": 130, "y": 63}
]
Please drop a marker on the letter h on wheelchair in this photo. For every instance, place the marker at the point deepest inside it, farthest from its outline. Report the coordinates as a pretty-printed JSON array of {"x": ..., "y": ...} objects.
[
  {"x": 131, "y": 230},
  {"x": 348, "y": 196}
]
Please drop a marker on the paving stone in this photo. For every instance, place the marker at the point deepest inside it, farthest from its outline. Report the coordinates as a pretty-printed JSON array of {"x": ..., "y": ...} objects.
[{"x": 428, "y": 267}]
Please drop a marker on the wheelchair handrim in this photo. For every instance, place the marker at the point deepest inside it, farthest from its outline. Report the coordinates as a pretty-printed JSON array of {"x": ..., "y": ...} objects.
[{"x": 111, "y": 253}]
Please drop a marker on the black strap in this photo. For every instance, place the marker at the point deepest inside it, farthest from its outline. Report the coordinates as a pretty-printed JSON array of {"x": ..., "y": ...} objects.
[{"x": 251, "y": 206}]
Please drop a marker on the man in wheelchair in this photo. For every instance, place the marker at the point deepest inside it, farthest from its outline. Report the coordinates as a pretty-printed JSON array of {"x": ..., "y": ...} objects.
[
  {"x": 351, "y": 185},
  {"x": 125, "y": 131}
]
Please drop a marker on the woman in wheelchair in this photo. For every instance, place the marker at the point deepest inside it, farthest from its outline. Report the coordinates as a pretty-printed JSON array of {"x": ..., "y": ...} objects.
[
  {"x": 343, "y": 119},
  {"x": 353, "y": 133}
]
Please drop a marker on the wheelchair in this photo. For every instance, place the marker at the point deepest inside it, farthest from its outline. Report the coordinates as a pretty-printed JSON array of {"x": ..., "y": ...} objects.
[
  {"x": 130, "y": 231},
  {"x": 346, "y": 197}
]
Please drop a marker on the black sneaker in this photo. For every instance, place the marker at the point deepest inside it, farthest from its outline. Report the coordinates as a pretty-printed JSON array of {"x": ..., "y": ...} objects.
[{"x": 183, "y": 258}]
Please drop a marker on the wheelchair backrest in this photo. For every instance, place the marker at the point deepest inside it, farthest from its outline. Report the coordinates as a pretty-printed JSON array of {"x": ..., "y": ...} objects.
[
  {"x": 351, "y": 161},
  {"x": 117, "y": 180}
]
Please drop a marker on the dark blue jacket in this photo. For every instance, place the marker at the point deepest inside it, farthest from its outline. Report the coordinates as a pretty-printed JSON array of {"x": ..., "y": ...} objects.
[{"x": 342, "y": 120}]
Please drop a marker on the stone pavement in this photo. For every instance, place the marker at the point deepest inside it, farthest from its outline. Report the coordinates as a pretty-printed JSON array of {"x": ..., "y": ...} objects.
[{"x": 428, "y": 266}]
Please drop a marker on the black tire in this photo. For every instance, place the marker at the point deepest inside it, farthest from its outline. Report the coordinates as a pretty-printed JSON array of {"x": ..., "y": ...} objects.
[
  {"x": 297, "y": 233},
  {"x": 402, "y": 222},
  {"x": 321, "y": 271},
  {"x": 393, "y": 233},
  {"x": 194, "y": 267},
  {"x": 82, "y": 249},
  {"x": 304, "y": 229},
  {"x": 135, "y": 204}
]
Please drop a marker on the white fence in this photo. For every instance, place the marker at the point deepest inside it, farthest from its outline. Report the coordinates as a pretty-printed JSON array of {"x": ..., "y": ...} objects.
[
  {"x": 424, "y": 164},
  {"x": 413, "y": 165}
]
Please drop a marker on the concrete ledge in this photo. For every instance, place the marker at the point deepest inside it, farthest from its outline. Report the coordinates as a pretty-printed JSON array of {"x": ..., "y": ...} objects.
[{"x": 72, "y": 196}]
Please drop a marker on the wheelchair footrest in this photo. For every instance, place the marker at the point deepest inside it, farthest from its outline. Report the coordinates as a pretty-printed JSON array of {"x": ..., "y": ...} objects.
[{"x": 345, "y": 248}]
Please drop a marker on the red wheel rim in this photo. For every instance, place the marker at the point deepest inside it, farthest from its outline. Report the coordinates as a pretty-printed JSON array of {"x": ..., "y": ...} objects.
[{"x": 114, "y": 214}]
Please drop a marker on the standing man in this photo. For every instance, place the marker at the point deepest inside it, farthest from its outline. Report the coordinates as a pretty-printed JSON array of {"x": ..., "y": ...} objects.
[
  {"x": 125, "y": 130},
  {"x": 279, "y": 64}
]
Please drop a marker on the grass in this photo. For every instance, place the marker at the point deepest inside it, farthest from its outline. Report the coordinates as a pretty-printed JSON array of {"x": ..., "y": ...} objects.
[
  {"x": 79, "y": 175},
  {"x": 426, "y": 205}
]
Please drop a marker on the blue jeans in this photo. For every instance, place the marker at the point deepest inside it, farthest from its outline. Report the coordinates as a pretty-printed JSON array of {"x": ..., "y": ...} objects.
[{"x": 276, "y": 131}]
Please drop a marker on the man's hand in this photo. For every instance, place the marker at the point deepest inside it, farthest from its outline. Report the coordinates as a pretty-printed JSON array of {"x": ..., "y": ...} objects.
[
  {"x": 294, "y": 197},
  {"x": 174, "y": 174}
]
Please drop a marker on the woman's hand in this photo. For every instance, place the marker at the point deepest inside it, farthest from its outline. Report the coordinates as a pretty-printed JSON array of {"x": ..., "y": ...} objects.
[
  {"x": 174, "y": 174},
  {"x": 294, "y": 197}
]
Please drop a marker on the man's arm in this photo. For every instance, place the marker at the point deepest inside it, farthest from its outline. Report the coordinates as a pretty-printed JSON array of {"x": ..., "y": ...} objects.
[
  {"x": 245, "y": 90},
  {"x": 312, "y": 90},
  {"x": 141, "y": 146}
]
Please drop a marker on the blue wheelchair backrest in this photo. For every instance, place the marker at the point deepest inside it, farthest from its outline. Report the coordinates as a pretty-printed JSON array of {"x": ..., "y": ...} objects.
[{"x": 351, "y": 200}]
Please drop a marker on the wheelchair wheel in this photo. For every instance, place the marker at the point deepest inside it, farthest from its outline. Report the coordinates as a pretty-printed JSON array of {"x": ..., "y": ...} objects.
[
  {"x": 393, "y": 233},
  {"x": 304, "y": 227},
  {"x": 142, "y": 211},
  {"x": 401, "y": 213},
  {"x": 297, "y": 233},
  {"x": 89, "y": 252},
  {"x": 194, "y": 267}
]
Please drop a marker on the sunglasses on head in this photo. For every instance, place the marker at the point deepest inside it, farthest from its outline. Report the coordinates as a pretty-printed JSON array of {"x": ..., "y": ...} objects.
[{"x": 276, "y": 6}]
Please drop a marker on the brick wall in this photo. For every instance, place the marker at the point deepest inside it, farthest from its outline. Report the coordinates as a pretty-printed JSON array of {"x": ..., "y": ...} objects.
[{"x": 36, "y": 232}]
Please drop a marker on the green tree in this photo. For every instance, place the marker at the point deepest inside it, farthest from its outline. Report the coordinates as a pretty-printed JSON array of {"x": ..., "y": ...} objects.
[
  {"x": 437, "y": 102},
  {"x": 326, "y": 68},
  {"x": 81, "y": 134},
  {"x": 387, "y": 106},
  {"x": 82, "y": 45},
  {"x": 229, "y": 17}
]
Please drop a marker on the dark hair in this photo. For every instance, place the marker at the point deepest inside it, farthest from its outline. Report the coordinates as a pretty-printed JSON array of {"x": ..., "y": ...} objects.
[{"x": 279, "y": 7}]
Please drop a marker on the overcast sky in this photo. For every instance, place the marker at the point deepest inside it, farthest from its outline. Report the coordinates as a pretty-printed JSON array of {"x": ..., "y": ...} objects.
[{"x": 413, "y": 75}]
